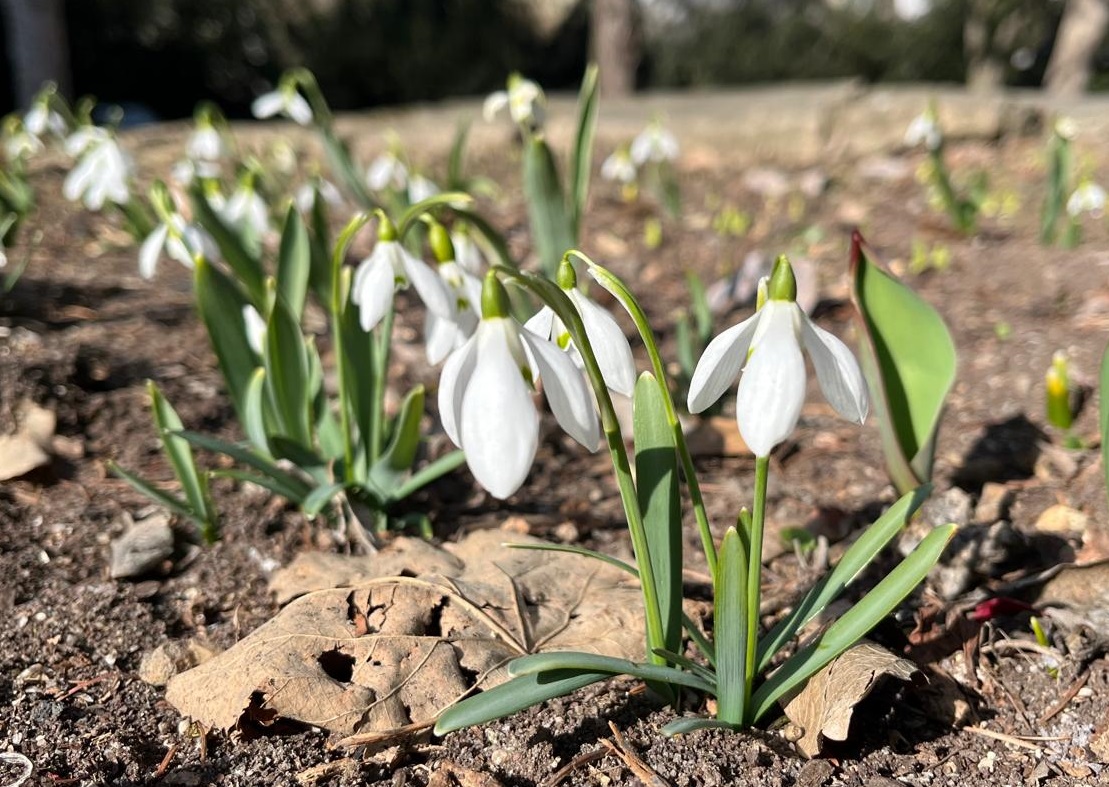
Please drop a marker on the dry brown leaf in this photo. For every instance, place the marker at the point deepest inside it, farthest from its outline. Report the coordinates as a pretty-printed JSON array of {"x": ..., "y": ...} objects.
[
  {"x": 823, "y": 708},
  {"x": 29, "y": 447},
  {"x": 398, "y": 650}
]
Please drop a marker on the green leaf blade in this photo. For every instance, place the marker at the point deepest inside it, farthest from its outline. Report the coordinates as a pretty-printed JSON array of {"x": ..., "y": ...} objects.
[
  {"x": 294, "y": 262},
  {"x": 730, "y": 636}
]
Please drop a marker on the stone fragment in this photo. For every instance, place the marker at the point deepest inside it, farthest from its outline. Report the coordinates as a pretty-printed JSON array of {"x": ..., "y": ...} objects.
[
  {"x": 142, "y": 547},
  {"x": 171, "y": 658},
  {"x": 993, "y": 503},
  {"x": 1061, "y": 520}
]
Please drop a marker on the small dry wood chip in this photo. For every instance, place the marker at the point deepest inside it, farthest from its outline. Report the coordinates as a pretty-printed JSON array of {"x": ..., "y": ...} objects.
[
  {"x": 823, "y": 708},
  {"x": 395, "y": 651}
]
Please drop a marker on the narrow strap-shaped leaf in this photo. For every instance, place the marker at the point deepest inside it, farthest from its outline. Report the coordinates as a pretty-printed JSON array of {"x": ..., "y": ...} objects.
[
  {"x": 581, "y": 156},
  {"x": 320, "y": 497},
  {"x": 456, "y": 179},
  {"x": 180, "y": 455},
  {"x": 272, "y": 483},
  {"x": 873, "y": 540},
  {"x": 730, "y": 634},
  {"x": 692, "y": 724},
  {"x": 430, "y": 472},
  {"x": 220, "y": 302},
  {"x": 400, "y": 453},
  {"x": 855, "y": 623},
  {"x": 291, "y": 485},
  {"x": 246, "y": 266},
  {"x": 592, "y": 662},
  {"x": 256, "y": 417},
  {"x": 338, "y": 157},
  {"x": 551, "y": 230},
  {"x": 287, "y": 372},
  {"x": 688, "y": 664},
  {"x": 656, "y": 485},
  {"x": 516, "y": 695},
  {"x": 141, "y": 485},
  {"x": 319, "y": 245},
  {"x": 294, "y": 262},
  {"x": 908, "y": 358}
]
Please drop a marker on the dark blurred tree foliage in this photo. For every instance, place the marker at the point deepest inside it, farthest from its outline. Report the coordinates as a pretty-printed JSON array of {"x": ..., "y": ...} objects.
[{"x": 169, "y": 54}]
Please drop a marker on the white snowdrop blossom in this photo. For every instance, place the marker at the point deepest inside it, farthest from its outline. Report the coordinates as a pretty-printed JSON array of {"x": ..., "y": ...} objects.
[
  {"x": 619, "y": 167},
  {"x": 102, "y": 169},
  {"x": 205, "y": 147},
  {"x": 387, "y": 171},
  {"x": 305, "y": 196},
  {"x": 485, "y": 397},
  {"x": 523, "y": 98},
  {"x": 41, "y": 119},
  {"x": 610, "y": 346},
  {"x": 179, "y": 240},
  {"x": 654, "y": 144},
  {"x": 421, "y": 188},
  {"x": 1087, "y": 198},
  {"x": 764, "y": 351},
  {"x": 285, "y": 101},
  {"x": 924, "y": 130},
  {"x": 19, "y": 142},
  {"x": 467, "y": 253},
  {"x": 1065, "y": 128},
  {"x": 389, "y": 268},
  {"x": 446, "y": 334},
  {"x": 255, "y": 328},
  {"x": 247, "y": 211}
]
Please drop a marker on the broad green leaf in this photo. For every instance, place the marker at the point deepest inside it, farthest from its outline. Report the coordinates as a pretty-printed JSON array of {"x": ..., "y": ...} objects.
[
  {"x": 855, "y": 623},
  {"x": 397, "y": 458},
  {"x": 581, "y": 156},
  {"x": 730, "y": 635},
  {"x": 287, "y": 483},
  {"x": 551, "y": 228},
  {"x": 182, "y": 461},
  {"x": 287, "y": 372},
  {"x": 1103, "y": 412},
  {"x": 142, "y": 486},
  {"x": 220, "y": 302},
  {"x": 656, "y": 467},
  {"x": 558, "y": 661},
  {"x": 255, "y": 418},
  {"x": 433, "y": 471},
  {"x": 512, "y": 697},
  {"x": 908, "y": 358},
  {"x": 873, "y": 540},
  {"x": 243, "y": 263},
  {"x": 319, "y": 245},
  {"x": 320, "y": 497},
  {"x": 294, "y": 263}
]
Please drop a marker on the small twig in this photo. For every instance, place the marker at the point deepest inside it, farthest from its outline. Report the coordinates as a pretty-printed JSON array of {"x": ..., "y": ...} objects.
[
  {"x": 642, "y": 770},
  {"x": 582, "y": 759},
  {"x": 1020, "y": 645},
  {"x": 84, "y": 684},
  {"x": 163, "y": 766},
  {"x": 1070, "y": 694},
  {"x": 1024, "y": 741},
  {"x": 374, "y": 738}
]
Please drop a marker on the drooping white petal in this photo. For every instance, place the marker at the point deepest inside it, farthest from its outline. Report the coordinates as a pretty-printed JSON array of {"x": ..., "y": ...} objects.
[
  {"x": 541, "y": 323},
  {"x": 298, "y": 108},
  {"x": 150, "y": 250},
  {"x": 499, "y": 425},
  {"x": 452, "y": 385},
  {"x": 772, "y": 387},
  {"x": 267, "y": 105},
  {"x": 372, "y": 291},
  {"x": 720, "y": 364},
  {"x": 494, "y": 103},
  {"x": 255, "y": 328},
  {"x": 428, "y": 285},
  {"x": 566, "y": 390},
  {"x": 614, "y": 354},
  {"x": 441, "y": 336},
  {"x": 837, "y": 371},
  {"x": 78, "y": 179},
  {"x": 421, "y": 188}
]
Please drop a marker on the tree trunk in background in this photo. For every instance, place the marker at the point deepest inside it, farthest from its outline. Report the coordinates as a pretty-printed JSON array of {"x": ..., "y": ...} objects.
[
  {"x": 615, "y": 45},
  {"x": 37, "y": 44},
  {"x": 1081, "y": 30}
]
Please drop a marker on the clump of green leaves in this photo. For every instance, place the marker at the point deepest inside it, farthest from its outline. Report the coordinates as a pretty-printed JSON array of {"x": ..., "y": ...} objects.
[{"x": 962, "y": 207}]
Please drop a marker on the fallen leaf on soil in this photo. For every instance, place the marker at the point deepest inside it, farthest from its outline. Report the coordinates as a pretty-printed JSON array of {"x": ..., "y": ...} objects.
[
  {"x": 398, "y": 650},
  {"x": 29, "y": 447},
  {"x": 823, "y": 708}
]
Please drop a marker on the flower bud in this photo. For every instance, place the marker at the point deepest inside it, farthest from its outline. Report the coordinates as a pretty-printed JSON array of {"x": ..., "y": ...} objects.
[
  {"x": 1057, "y": 385},
  {"x": 783, "y": 284},
  {"x": 494, "y": 298},
  {"x": 440, "y": 241}
]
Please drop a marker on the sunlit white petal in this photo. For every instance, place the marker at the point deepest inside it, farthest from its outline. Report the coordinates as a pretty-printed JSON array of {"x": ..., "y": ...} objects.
[
  {"x": 720, "y": 364},
  {"x": 566, "y": 391},
  {"x": 837, "y": 371},
  {"x": 427, "y": 284},
  {"x": 452, "y": 384},
  {"x": 372, "y": 290},
  {"x": 267, "y": 105},
  {"x": 150, "y": 250},
  {"x": 772, "y": 387},
  {"x": 610, "y": 346},
  {"x": 494, "y": 103}
]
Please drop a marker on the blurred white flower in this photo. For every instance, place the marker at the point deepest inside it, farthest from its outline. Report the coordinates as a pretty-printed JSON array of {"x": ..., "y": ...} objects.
[
  {"x": 467, "y": 253},
  {"x": 255, "y": 328},
  {"x": 387, "y": 171},
  {"x": 102, "y": 171},
  {"x": 619, "y": 167},
  {"x": 246, "y": 210},
  {"x": 1065, "y": 127},
  {"x": 654, "y": 143},
  {"x": 924, "y": 129},
  {"x": 41, "y": 119},
  {"x": 1087, "y": 198},
  {"x": 421, "y": 188},
  {"x": 524, "y": 99},
  {"x": 389, "y": 268},
  {"x": 284, "y": 101},
  {"x": 179, "y": 240},
  {"x": 205, "y": 145},
  {"x": 19, "y": 142},
  {"x": 305, "y": 196},
  {"x": 446, "y": 334}
]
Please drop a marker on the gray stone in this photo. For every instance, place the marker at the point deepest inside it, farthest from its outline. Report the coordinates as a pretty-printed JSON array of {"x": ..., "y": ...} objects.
[{"x": 142, "y": 547}]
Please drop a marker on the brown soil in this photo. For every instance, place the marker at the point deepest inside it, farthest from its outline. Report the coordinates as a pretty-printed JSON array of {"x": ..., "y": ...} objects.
[{"x": 80, "y": 333}]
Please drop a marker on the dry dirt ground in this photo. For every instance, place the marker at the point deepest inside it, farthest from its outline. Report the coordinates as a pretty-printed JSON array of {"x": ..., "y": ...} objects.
[{"x": 81, "y": 332}]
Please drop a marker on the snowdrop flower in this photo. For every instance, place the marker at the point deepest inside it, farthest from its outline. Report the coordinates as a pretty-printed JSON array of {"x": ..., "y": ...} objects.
[
  {"x": 655, "y": 144},
  {"x": 387, "y": 171},
  {"x": 924, "y": 129},
  {"x": 421, "y": 188},
  {"x": 102, "y": 170},
  {"x": 205, "y": 147},
  {"x": 390, "y": 268},
  {"x": 246, "y": 210},
  {"x": 19, "y": 142},
  {"x": 766, "y": 348},
  {"x": 610, "y": 346},
  {"x": 41, "y": 119},
  {"x": 1065, "y": 128},
  {"x": 284, "y": 101},
  {"x": 1087, "y": 198},
  {"x": 305, "y": 196},
  {"x": 466, "y": 251},
  {"x": 255, "y": 328},
  {"x": 180, "y": 241},
  {"x": 619, "y": 167},
  {"x": 446, "y": 334},
  {"x": 524, "y": 99},
  {"x": 485, "y": 396}
]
